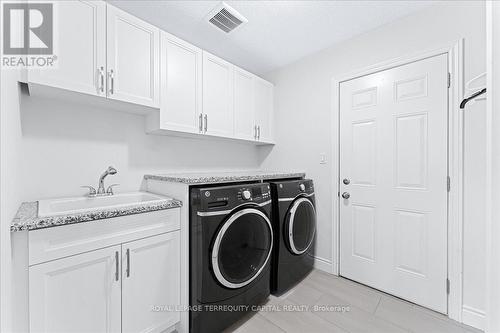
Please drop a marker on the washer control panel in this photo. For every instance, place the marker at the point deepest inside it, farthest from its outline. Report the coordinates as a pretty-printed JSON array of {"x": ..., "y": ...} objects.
[{"x": 257, "y": 192}]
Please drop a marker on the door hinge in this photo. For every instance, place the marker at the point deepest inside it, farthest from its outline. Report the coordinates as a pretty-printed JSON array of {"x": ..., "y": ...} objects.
[
  {"x": 448, "y": 286},
  {"x": 449, "y": 79},
  {"x": 448, "y": 183}
]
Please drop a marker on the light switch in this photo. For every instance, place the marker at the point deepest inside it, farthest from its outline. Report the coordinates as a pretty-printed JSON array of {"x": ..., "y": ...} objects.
[{"x": 322, "y": 158}]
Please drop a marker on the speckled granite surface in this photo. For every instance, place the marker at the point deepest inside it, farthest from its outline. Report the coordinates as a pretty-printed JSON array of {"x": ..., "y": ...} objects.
[
  {"x": 27, "y": 216},
  {"x": 222, "y": 177}
]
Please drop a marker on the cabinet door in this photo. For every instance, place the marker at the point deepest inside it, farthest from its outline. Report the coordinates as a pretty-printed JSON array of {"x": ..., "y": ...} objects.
[
  {"x": 264, "y": 106},
  {"x": 244, "y": 101},
  {"x": 151, "y": 283},
  {"x": 133, "y": 56},
  {"x": 181, "y": 85},
  {"x": 80, "y": 293},
  {"x": 217, "y": 96},
  {"x": 80, "y": 47}
]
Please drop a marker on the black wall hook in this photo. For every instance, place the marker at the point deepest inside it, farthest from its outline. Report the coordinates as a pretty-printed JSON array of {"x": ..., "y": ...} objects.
[{"x": 474, "y": 95}]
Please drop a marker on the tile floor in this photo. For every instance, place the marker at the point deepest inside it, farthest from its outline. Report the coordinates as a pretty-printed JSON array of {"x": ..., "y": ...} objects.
[{"x": 310, "y": 307}]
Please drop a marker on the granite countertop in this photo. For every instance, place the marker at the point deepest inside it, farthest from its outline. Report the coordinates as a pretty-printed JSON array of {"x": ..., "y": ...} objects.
[
  {"x": 195, "y": 178},
  {"x": 27, "y": 216}
]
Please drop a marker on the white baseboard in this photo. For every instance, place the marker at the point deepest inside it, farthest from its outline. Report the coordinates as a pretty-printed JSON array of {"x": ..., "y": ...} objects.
[
  {"x": 473, "y": 317},
  {"x": 324, "y": 265}
]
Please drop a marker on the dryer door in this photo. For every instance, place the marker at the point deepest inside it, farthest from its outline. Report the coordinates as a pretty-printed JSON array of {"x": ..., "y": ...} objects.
[
  {"x": 300, "y": 225},
  {"x": 242, "y": 248}
]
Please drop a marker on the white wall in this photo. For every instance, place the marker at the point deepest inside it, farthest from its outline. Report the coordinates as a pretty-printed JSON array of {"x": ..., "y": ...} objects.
[
  {"x": 66, "y": 145},
  {"x": 10, "y": 193},
  {"x": 303, "y": 116},
  {"x": 493, "y": 168}
]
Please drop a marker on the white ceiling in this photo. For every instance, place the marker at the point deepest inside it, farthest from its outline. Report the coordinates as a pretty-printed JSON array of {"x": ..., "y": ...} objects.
[{"x": 277, "y": 33}]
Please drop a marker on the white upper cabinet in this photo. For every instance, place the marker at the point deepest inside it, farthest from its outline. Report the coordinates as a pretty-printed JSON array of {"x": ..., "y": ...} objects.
[
  {"x": 151, "y": 277},
  {"x": 264, "y": 105},
  {"x": 133, "y": 52},
  {"x": 78, "y": 293},
  {"x": 80, "y": 49},
  {"x": 217, "y": 96},
  {"x": 104, "y": 51},
  {"x": 244, "y": 105},
  {"x": 181, "y": 85}
]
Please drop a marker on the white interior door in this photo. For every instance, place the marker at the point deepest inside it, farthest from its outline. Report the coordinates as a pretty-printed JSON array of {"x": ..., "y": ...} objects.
[
  {"x": 393, "y": 228},
  {"x": 81, "y": 293},
  {"x": 133, "y": 57},
  {"x": 151, "y": 280}
]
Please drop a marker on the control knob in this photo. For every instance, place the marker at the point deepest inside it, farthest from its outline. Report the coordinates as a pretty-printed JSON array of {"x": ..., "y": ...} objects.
[
  {"x": 302, "y": 187},
  {"x": 246, "y": 195}
]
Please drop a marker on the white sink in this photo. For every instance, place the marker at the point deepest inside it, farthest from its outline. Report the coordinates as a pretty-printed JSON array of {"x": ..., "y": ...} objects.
[{"x": 77, "y": 205}]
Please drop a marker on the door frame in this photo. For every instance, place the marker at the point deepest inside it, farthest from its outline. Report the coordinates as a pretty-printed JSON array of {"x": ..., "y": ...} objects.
[{"x": 454, "y": 51}]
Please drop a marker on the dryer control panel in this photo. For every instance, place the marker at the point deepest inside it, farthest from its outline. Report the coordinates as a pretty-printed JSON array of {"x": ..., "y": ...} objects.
[
  {"x": 229, "y": 197},
  {"x": 252, "y": 193}
]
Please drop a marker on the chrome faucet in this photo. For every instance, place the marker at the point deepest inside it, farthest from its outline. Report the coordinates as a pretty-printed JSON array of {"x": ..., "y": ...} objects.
[
  {"x": 109, "y": 171},
  {"x": 101, "y": 190}
]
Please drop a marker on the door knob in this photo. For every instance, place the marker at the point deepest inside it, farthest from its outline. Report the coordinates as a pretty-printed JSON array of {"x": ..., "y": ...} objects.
[
  {"x": 346, "y": 195},
  {"x": 346, "y": 181}
]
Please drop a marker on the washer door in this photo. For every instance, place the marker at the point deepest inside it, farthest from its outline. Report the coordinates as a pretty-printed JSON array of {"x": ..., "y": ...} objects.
[
  {"x": 301, "y": 225},
  {"x": 242, "y": 248}
]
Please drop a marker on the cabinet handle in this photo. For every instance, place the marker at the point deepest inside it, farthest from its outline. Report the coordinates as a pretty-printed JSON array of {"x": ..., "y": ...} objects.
[
  {"x": 255, "y": 132},
  {"x": 258, "y": 136},
  {"x": 206, "y": 123},
  {"x": 112, "y": 82},
  {"x": 101, "y": 79},
  {"x": 128, "y": 262},
  {"x": 117, "y": 266},
  {"x": 200, "y": 123}
]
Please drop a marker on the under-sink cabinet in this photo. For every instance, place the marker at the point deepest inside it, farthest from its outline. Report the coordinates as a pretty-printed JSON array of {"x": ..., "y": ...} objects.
[
  {"x": 117, "y": 275},
  {"x": 103, "y": 51}
]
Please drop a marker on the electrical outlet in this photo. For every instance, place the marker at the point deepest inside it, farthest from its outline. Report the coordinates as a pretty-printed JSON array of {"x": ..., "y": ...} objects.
[{"x": 322, "y": 158}]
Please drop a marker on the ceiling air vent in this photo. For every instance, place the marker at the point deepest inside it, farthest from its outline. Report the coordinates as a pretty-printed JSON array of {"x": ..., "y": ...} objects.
[{"x": 226, "y": 18}]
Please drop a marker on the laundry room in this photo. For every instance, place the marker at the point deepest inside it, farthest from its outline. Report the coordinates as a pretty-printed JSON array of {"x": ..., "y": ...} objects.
[{"x": 249, "y": 166}]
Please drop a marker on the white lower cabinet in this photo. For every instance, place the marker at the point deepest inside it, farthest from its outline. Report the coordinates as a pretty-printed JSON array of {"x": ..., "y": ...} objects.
[
  {"x": 130, "y": 287},
  {"x": 150, "y": 283},
  {"x": 81, "y": 293}
]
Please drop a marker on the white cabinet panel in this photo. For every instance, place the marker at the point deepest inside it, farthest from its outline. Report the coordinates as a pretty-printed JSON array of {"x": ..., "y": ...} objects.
[
  {"x": 217, "y": 96},
  {"x": 80, "y": 49},
  {"x": 244, "y": 105},
  {"x": 81, "y": 293},
  {"x": 264, "y": 105},
  {"x": 133, "y": 52},
  {"x": 151, "y": 280},
  {"x": 181, "y": 85}
]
